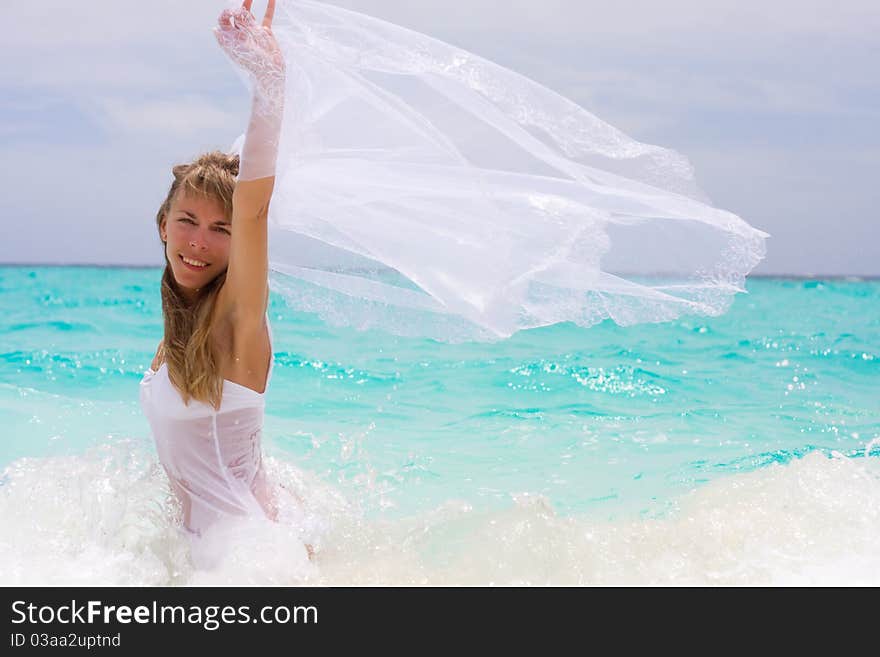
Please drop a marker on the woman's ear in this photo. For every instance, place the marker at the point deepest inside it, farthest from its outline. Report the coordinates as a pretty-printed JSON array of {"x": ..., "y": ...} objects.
[{"x": 162, "y": 234}]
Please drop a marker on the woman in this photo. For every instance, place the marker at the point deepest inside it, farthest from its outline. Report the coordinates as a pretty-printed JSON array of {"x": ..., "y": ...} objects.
[{"x": 204, "y": 394}]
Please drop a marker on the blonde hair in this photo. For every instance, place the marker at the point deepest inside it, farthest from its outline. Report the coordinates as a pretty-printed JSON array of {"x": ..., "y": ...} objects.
[{"x": 187, "y": 349}]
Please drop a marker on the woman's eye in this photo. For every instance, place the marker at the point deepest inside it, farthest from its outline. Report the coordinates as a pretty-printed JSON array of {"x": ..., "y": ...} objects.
[{"x": 187, "y": 220}]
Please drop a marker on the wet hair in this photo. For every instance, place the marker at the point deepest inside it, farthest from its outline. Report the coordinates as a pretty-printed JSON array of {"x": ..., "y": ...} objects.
[{"x": 187, "y": 349}]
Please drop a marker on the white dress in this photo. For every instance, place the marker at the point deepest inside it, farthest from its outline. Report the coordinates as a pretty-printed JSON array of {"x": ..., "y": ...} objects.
[
  {"x": 213, "y": 458},
  {"x": 232, "y": 512}
]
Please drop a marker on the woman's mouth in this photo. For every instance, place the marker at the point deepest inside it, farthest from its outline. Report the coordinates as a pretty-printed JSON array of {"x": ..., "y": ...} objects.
[{"x": 193, "y": 264}]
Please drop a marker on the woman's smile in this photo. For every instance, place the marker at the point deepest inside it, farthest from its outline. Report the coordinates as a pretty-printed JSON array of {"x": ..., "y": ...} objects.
[{"x": 195, "y": 265}]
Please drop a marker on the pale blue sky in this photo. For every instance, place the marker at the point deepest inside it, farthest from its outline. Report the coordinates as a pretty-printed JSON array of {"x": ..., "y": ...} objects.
[{"x": 777, "y": 108}]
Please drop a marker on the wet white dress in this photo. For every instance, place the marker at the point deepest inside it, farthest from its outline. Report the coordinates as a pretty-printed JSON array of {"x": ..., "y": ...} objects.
[
  {"x": 234, "y": 515},
  {"x": 213, "y": 458}
]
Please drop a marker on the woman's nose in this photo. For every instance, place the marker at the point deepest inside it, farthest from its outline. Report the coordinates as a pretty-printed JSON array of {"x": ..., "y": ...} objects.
[{"x": 199, "y": 241}]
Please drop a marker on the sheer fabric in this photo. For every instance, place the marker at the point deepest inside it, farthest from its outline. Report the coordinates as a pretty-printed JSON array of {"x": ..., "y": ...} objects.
[
  {"x": 233, "y": 512},
  {"x": 426, "y": 191},
  {"x": 213, "y": 458}
]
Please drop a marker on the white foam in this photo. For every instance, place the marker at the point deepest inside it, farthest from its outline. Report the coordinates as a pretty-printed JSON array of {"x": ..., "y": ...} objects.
[{"x": 106, "y": 518}]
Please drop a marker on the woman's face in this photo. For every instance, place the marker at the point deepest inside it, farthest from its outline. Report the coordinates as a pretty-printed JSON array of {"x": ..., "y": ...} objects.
[{"x": 196, "y": 228}]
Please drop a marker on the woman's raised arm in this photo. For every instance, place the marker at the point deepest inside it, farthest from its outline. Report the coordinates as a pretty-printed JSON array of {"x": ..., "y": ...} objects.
[{"x": 253, "y": 48}]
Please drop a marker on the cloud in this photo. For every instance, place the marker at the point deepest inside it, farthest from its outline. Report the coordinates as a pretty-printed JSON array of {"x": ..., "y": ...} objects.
[
  {"x": 709, "y": 90},
  {"x": 62, "y": 26},
  {"x": 179, "y": 117},
  {"x": 648, "y": 20},
  {"x": 82, "y": 49},
  {"x": 774, "y": 103}
]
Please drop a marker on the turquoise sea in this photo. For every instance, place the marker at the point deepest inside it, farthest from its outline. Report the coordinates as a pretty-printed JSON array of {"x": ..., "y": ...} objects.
[{"x": 741, "y": 449}]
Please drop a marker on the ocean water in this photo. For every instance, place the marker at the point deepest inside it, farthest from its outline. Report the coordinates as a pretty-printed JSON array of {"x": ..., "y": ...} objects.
[{"x": 742, "y": 449}]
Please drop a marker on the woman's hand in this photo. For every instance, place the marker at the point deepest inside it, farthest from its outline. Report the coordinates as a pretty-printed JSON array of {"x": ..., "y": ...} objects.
[{"x": 252, "y": 46}]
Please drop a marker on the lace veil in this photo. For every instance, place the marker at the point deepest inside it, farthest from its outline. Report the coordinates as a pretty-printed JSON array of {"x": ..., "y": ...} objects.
[{"x": 425, "y": 191}]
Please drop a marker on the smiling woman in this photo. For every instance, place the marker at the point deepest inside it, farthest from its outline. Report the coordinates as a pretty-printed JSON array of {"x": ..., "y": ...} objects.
[
  {"x": 468, "y": 197},
  {"x": 195, "y": 236},
  {"x": 200, "y": 197},
  {"x": 204, "y": 394}
]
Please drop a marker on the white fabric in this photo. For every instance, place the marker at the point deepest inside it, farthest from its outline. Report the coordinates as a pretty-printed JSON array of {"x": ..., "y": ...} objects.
[
  {"x": 426, "y": 191},
  {"x": 213, "y": 458},
  {"x": 254, "y": 52}
]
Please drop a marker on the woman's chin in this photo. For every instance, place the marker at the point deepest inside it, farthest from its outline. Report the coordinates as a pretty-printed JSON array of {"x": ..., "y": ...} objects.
[{"x": 189, "y": 282}]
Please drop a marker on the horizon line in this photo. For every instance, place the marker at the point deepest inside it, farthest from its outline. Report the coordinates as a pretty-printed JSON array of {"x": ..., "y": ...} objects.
[{"x": 144, "y": 266}]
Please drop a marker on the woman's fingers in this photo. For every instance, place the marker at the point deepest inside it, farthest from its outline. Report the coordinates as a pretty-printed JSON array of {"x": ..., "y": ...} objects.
[
  {"x": 243, "y": 16},
  {"x": 238, "y": 18},
  {"x": 225, "y": 18},
  {"x": 240, "y": 34},
  {"x": 270, "y": 14}
]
